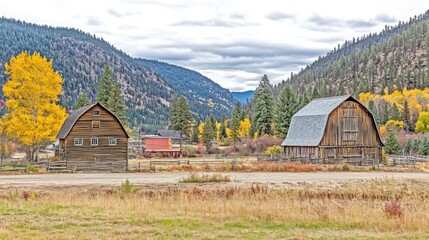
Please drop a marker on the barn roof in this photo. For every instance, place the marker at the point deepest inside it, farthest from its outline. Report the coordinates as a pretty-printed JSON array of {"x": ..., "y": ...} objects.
[
  {"x": 75, "y": 115},
  {"x": 308, "y": 124}
]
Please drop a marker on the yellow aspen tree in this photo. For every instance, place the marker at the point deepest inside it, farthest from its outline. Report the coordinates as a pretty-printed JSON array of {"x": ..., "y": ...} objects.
[
  {"x": 32, "y": 91},
  {"x": 244, "y": 130}
]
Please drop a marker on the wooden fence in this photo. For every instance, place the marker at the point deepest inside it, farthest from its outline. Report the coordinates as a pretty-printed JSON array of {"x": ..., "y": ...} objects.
[
  {"x": 153, "y": 165},
  {"x": 407, "y": 160},
  {"x": 320, "y": 161}
]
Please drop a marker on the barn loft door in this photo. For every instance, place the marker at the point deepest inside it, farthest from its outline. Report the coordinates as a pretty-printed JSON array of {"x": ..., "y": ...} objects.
[{"x": 350, "y": 124}]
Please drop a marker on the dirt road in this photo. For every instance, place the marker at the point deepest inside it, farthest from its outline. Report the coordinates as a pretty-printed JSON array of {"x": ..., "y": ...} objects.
[{"x": 277, "y": 179}]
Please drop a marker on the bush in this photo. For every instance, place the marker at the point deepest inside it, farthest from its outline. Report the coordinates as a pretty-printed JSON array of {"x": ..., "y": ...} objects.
[
  {"x": 189, "y": 152},
  {"x": 205, "y": 178},
  {"x": 273, "y": 151},
  {"x": 127, "y": 188},
  {"x": 261, "y": 144},
  {"x": 394, "y": 209},
  {"x": 31, "y": 168}
]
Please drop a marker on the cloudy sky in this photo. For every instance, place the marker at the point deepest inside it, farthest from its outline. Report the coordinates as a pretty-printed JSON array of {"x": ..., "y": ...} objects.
[{"x": 233, "y": 42}]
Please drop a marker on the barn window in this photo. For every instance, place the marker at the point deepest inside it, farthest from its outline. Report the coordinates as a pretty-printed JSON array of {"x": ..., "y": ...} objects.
[
  {"x": 94, "y": 141},
  {"x": 95, "y": 124},
  {"x": 96, "y": 113},
  {"x": 78, "y": 141},
  {"x": 350, "y": 130},
  {"x": 112, "y": 141}
]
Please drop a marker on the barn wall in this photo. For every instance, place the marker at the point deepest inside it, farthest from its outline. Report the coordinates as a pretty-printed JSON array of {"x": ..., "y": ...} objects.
[
  {"x": 103, "y": 156},
  {"x": 341, "y": 144},
  {"x": 301, "y": 152}
]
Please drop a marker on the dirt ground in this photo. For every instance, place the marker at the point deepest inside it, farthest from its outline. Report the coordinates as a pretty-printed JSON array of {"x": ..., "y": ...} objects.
[{"x": 274, "y": 180}]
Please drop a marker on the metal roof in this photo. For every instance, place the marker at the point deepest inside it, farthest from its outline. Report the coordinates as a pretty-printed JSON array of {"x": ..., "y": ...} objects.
[
  {"x": 173, "y": 134},
  {"x": 75, "y": 115},
  {"x": 308, "y": 124}
]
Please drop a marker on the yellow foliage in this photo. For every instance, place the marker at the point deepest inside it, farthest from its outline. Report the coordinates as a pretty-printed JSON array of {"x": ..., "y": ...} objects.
[
  {"x": 218, "y": 125},
  {"x": 228, "y": 133},
  {"x": 244, "y": 130},
  {"x": 33, "y": 118},
  {"x": 383, "y": 131},
  {"x": 422, "y": 124},
  {"x": 396, "y": 124},
  {"x": 201, "y": 130}
]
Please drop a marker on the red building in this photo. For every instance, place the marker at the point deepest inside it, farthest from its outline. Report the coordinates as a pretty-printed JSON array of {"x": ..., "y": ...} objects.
[{"x": 158, "y": 146}]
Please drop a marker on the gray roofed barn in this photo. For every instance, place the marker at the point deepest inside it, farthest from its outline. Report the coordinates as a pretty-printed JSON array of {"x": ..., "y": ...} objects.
[
  {"x": 334, "y": 127},
  {"x": 173, "y": 134}
]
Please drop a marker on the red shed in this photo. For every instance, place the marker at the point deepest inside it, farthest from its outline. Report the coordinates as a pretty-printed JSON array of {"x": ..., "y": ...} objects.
[{"x": 155, "y": 145}]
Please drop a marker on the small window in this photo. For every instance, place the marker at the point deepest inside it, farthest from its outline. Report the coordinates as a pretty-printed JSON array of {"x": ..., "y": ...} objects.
[
  {"x": 96, "y": 113},
  {"x": 112, "y": 141},
  {"x": 94, "y": 141},
  {"x": 78, "y": 141},
  {"x": 95, "y": 124}
]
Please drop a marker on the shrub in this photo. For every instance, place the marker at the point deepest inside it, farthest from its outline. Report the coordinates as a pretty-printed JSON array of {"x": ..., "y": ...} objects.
[
  {"x": 205, "y": 178},
  {"x": 127, "y": 188},
  {"x": 31, "y": 168},
  {"x": 394, "y": 209},
  {"x": 261, "y": 144},
  {"x": 274, "y": 151},
  {"x": 189, "y": 152}
]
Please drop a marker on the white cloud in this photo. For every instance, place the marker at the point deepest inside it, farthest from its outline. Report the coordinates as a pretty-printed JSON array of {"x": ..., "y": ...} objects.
[{"x": 233, "y": 42}]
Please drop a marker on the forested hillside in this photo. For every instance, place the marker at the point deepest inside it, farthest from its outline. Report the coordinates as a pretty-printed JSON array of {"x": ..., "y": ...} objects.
[
  {"x": 80, "y": 58},
  {"x": 204, "y": 96},
  {"x": 244, "y": 97},
  {"x": 396, "y": 57}
]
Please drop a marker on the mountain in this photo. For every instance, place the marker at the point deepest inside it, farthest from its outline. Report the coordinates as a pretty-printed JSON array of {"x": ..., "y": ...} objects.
[
  {"x": 244, "y": 97},
  {"x": 394, "y": 58},
  {"x": 80, "y": 58},
  {"x": 200, "y": 91}
]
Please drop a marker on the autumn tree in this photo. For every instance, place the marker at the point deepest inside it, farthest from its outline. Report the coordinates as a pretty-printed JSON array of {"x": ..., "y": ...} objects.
[
  {"x": 82, "y": 101},
  {"x": 244, "y": 130},
  {"x": 263, "y": 110},
  {"x": 32, "y": 91},
  {"x": 422, "y": 124}
]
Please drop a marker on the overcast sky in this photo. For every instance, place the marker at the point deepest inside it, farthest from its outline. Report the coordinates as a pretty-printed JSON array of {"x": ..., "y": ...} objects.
[{"x": 233, "y": 42}]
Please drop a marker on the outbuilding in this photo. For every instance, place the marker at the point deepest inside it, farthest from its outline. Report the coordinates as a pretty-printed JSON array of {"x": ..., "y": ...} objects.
[
  {"x": 334, "y": 128},
  {"x": 92, "y": 138}
]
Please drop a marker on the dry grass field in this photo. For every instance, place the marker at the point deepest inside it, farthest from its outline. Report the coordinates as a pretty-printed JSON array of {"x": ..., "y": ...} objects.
[{"x": 372, "y": 209}]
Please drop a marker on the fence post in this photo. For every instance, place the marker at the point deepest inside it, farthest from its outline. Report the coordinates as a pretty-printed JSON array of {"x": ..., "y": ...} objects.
[{"x": 139, "y": 166}]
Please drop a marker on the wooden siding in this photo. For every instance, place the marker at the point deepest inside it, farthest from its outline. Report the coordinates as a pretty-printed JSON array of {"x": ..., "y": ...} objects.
[
  {"x": 350, "y": 133},
  {"x": 100, "y": 157}
]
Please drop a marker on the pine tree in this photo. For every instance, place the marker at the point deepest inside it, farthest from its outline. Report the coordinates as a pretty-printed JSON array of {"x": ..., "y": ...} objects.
[
  {"x": 408, "y": 146},
  {"x": 105, "y": 87},
  {"x": 223, "y": 127},
  {"x": 424, "y": 147},
  {"x": 373, "y": 110},
  {"x": 234, "y": 124},
  {"x": 180, "y": 116},
  {"x": 116, "y": 104},
  {"x": 395, "y": 114},
  {"x": 263, "y": 112},
  {"x": 385, "y": 114},
  {"x": 392, "y": 144},
  {"x": 408, "y": 125},
  {"x": 208, "y": 133},
  {"x": 82, "y": 101},
  {"x": 196, "y": 131},
  {"x": 286, "y": 107}
]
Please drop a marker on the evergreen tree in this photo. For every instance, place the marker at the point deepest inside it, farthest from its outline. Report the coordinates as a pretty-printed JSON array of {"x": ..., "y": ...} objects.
[
  {"x": 208, "y": 133},
  {"x": 408, "y": 146},
  {"x": 395, "y": 114},
  {"x": 116, "y": 104},
  {"x": 196, "y": 131},
  {"x": 180, "y": 116},
  {"x": 222, "y": 130},
  {"x": 286, "y": 107},
  {"x": 408, "y": 125},
  {"x": 385, "y": 114},
  {"x": 392, "y": 144},
  {"x": 105, "y": 87},
  {"x": 373, "y": 110},
  {"x": 82, "y": 101},
  {"x": 263, "y": 111},
  {"x": 213, "y": 120},
  {"x": 424, "y": 147},
  {"x": 234, "y": 124}
]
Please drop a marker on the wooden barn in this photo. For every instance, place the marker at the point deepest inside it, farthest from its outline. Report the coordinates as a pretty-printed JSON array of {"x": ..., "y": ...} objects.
[
  {"x": 334, "y": 128},
  {"x": 93, "y": 139}
]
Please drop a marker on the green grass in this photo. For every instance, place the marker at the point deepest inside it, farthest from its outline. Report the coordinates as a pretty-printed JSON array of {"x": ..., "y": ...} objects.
[{"x": 205, "y": 178}]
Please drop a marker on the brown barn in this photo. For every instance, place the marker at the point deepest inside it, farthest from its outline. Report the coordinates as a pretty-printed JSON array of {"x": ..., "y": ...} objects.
[
  {"x": 334, "y": 128},
  {"x": 93, "y": 139}
]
